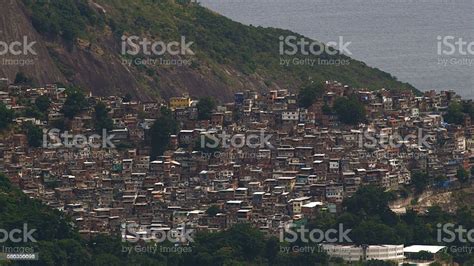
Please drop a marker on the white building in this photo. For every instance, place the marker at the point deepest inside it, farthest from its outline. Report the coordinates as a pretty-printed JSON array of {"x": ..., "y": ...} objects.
[
  {"x": 412, "y": 251},
  {"x": 369, "y": 252},
  {"x": 290, "y": 116}
]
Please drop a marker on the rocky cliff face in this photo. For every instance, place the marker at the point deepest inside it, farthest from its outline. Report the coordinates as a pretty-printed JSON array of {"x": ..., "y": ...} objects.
[
  {"x": 51, "y": 61},
  {"x": 15, "y": 26}
]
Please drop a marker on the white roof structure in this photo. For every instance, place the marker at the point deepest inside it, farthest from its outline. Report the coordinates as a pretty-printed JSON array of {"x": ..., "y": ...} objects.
[
  {"x": 418, "y": 248},
  {"x": 313, "y": 204}
]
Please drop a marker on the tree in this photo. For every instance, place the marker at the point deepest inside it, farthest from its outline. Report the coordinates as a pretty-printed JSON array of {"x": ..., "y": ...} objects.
[
  {"x": 34, "y": 134},
  {"x": 6, "y": 116},
  {"x": 441, "y": 179},
  {"x": 326, "y": 109},
  {"x": 371, "y": 232},
  {"x": 370, "y": 201},
  {"x": 462, "y": 175},
  {"x": 468, "y": 108},
  {"x": 161, "y": 131},
  {"x": 127, "y": 98},
  {"x": 213, "y": 210},
  {"x": 420, "y": 181},
  {"x": 102, "y": 119},
  {"x": 309, "y": 94},
  {"x": 75, "y": 102},
  {"x": 21, "y": 78},
  {"x": 272, "y": 248},
  {"x": 349, "y": 110},
  {"x": 422, "y": 255},
  {"x": 205, "y": 108},
  {"x": 373, "y": 262},
  {"x": 59, "y": 124},
  {"x": 42, "y": 103},
  {"x": 4, "y": 183},
  {"x": 455, "y": 114}
]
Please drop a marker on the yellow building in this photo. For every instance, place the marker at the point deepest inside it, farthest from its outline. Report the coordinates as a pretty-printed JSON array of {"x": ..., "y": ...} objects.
[{"x": 180, "y": 102}]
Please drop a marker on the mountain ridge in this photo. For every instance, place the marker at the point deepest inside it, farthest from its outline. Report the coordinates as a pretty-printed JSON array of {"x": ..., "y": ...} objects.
[{"x": 79, "y": 42}]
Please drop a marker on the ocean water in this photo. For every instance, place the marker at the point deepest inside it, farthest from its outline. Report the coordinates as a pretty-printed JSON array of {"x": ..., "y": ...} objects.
[{"x": 397, "y": 36}]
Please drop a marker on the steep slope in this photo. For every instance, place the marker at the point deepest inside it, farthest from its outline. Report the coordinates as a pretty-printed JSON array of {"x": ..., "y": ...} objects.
[
  {"x": 83, "y": 39},
  {"x": 14, "y": 27}
]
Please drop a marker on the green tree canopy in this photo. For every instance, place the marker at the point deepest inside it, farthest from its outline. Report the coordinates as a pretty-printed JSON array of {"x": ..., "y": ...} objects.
[
  {"x": 205, "y": 108},
  {"x": 349, "y": 110},
  {"x": 309, "y": 94},
  {"x": 42, "y": 103},
  {"x": 127, "y": 98},
  {"x": 66, "y": 19},
  {"x": 455, "y": 114},
  {"x": 379, "y": 263},
  {"x": 462, "y": 175},
  {"x": 244, "y": 244},
  {"x": 369, "y": 201},
  {"x": 374, "y": 232},
  {"x": 22, "y": 79},
  {"x": 326, "y": 109},
  {"x": 101, "y": 118},
  {"x": 6, "y": 116},
  {"x": 213, "y": 210},
  {"x": 468, "y": 108},
  {"x": 34, "y": 135},
  {"x": 75, "y": 102},
  {"x": 160, "y": 132},
  {"x": 420, "y": 181}
]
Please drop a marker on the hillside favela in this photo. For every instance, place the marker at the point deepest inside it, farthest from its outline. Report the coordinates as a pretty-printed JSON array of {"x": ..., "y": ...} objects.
[{"x": 160, "y": 132}]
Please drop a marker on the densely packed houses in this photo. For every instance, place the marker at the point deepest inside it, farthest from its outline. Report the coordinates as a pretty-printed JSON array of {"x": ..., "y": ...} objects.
[{"x": 275, "y": 163}]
